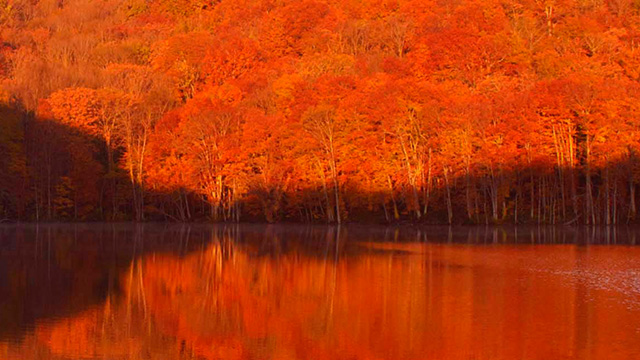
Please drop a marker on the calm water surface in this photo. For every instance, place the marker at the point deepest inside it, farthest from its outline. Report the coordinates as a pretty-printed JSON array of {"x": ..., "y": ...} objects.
[{"x": 293, "y": 292}]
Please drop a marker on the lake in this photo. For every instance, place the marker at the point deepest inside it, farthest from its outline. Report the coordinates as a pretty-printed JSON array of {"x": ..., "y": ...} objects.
[{"x": 123, "y": 291}]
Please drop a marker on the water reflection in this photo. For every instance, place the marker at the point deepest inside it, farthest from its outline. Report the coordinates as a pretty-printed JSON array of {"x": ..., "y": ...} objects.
[{"x": 296, "y": 292}]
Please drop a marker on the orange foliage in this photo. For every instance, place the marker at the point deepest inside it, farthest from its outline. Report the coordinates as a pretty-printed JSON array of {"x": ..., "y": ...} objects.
[{"x": 436, "y": 111}]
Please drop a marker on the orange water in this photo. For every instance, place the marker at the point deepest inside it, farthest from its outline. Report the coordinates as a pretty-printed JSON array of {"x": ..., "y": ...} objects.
[{"x": 253, "y": 292}]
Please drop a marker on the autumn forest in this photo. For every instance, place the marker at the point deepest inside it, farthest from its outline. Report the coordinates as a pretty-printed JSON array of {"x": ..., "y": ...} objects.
[{"x": 430, "y": 111}]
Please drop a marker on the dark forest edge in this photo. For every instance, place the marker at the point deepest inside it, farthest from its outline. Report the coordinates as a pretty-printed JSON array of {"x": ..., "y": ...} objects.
[{"x": 40, "y": 173}]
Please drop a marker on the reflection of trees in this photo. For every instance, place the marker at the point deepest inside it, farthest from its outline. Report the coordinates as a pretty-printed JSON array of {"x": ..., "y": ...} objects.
[
  {"x": 66, "y": 291},
  {"x": 263, "y": 298},
  {"x": 228, "y": 302},
  {"x": 339, "y": 293}
]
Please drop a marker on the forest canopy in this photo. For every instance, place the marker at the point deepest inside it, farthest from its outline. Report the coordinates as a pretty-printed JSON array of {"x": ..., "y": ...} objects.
[{"x": 437, "y": 111}]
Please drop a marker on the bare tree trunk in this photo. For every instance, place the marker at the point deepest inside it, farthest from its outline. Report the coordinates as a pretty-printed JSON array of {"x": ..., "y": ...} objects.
[
  {"x": 427, "y": 188},
  {"x": 326, "y": 194},
  {"x": 396, "y": 214},
  {"x": 384, "y": 207},
  {"x": 560, "y": 163},
  {"x": 336, "y": 189},
  {"x": 186, "y": 203},
  {"x": 632, "y": 200},
  {"x": 515, "y": 216},
  {"x": 411, "y": 177},
  {"x": 494, "y": 195},
  {"x": 49, "y": 207},
  {"x": 532, "y": 184},
  {"x": 615, "y": 202},
  {"x": 607, "y": 197},
  {"x": 468, "y": 193},
  {"x": 590, "y": 213},
  {"x": 449, "y": 206}
]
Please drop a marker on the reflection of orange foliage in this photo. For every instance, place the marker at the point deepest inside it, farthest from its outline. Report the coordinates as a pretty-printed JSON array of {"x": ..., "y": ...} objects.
[
  {"x": 401, "y": 302},
  {"x": 170, "y": 294},
  {"x": 241, "y": 304},
  {"x": 371, "y": 300},
  {"x": 86, "y": 335},
  {"x": 4, "y": 349}
]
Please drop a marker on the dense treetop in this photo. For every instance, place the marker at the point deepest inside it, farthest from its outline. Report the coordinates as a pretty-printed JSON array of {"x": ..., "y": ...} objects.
[{"x": 439, "y": 111}]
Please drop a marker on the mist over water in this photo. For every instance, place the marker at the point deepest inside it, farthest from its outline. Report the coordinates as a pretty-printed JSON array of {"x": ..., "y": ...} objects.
[{"x": 146, "y": 291}]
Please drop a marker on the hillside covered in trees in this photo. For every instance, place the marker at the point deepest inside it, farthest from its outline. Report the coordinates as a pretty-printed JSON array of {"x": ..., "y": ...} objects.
[{"x": 447, "y": 111}]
